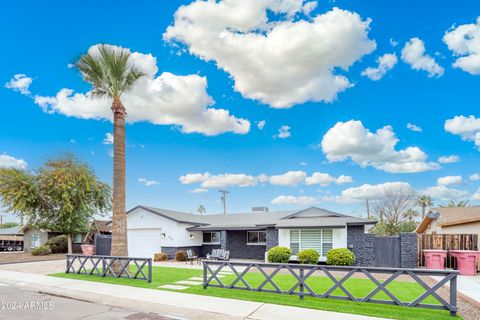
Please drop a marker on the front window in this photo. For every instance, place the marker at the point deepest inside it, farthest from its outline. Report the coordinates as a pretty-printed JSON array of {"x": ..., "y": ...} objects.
[
  {"x": 77, "y": 238},
  {"x": 318, "y": 239},
  {"x": 256, "y": 237},
  {"x": 211, "y": 237},
  {"x": 35, "y": 240}
]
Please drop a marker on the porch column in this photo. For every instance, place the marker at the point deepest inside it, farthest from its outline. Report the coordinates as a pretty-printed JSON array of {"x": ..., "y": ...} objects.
[{"x": 223, "y": 239}]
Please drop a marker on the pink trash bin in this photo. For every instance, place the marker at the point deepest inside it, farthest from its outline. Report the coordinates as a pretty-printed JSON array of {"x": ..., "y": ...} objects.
[
  {"x": 435, "y": 259},
  {"x": 88, "y": 249},
  {"x": 466, "y": 261}
]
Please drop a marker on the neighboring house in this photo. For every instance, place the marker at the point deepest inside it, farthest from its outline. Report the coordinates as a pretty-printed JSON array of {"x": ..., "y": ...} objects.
[
  {"x": 34, "y": 238},
  {"x": 455, "y": 220},
  {"x": 103, "y": 227},
  {"x": 245, "y": 235}
]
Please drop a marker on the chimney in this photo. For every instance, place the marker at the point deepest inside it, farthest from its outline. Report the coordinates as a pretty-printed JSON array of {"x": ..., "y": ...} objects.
[{"x": 260, "y": 209}]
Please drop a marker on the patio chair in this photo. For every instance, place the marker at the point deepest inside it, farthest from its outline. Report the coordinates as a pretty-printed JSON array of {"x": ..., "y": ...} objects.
[
  {"x": 225, "y": 255},
  {"x": 215, "y": 254},
  {"x": 191, "y": 256}
]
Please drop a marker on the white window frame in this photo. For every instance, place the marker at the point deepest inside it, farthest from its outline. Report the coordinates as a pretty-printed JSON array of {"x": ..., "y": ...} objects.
[
  {"x": 300, "y": 248},
  {"x": 35, "y": 243},
  {"x": 74, "y": 240},
  {"x": 258, "y": 237},
  {"x": 219, "y": 235}
]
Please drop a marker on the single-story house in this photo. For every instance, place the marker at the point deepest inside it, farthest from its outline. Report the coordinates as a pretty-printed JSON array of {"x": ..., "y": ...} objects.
[
  {"x": 456, "y": 220},
  {"x": 245, "y": 235},
  {"x": 34, "y": 238}
]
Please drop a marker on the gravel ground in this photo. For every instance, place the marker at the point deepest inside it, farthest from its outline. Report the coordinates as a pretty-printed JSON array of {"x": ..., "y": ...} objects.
[{"x": 12, "y": 257}]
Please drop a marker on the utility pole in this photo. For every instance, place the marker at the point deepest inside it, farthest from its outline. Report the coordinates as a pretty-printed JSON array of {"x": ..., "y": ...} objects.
[
  {"x": 368, "y": 210},
  {"x": 1, "y": 220},
  {"x": 224, "y": 200}
]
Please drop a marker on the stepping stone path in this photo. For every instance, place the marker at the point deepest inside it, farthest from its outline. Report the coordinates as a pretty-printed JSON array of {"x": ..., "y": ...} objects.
[
  {"x": 188, "y": 282},
  {"x": 193, "y": 281}
]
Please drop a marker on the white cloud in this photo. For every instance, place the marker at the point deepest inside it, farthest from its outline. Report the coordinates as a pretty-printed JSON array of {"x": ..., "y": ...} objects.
[
  {"x": 283, "y": 132},
  {"x": 166, "y": 99},
  {"x": 393, "y": 43},
  {"x": 464, "y": 42},
  {"x": 7, "y": 161},
  {"x": 308, "y": 7},
  {"x": 449, "y": 159},
  {"x": 448, "y": 180},
  {"x": 261, "y": 124},
  {"x": 372, "y": 192},
  {"x": 147, "y": 182},
  {"x": 414, "y": 127},
  {"x": 290, "y": 178},
  {"x": 474, "y": 177},
  {"x": 209, "y": 181},
  {"x": 445, "y": 193},
  {"x": 352, "y": 140},
  {"x": 108, "y": 138},
  {"x": 476, "y": 195},
  {"x": 303, "y": 163},
  {"x": 20, "y": 83},
  {"x": 73, "y": 141},
  {"x": 468, "y": 128},
  {"x": 414, "y": 54},
  {"x": 302, "y": 200},
  {"x": 279, "y": 63},
  {"x": 199, "y": 190},
  {"x": 385, "y": 63},
  {"x": 324, "y": 179}
]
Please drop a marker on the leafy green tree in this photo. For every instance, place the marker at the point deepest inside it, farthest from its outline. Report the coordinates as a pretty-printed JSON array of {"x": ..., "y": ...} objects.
[
  {"x": 424, "y": 201},
  {"x": 111, "y": 73},
  {"x": 62, "y": 196},
  {"x": 8, "y": 225},
  {"x": 201, "y": 209}
]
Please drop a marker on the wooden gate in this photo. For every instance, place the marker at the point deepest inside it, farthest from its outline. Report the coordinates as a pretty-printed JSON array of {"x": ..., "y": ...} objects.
[
  {"x": 446, "y": 242},
  {"x": 387, "y": 252}
]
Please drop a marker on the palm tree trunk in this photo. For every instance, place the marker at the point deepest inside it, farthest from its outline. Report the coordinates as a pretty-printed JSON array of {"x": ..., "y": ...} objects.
[
  {"x": 69, "y": 243},
  {"x": 423, "y": 212},
  {"x": 119, "y": 216}
]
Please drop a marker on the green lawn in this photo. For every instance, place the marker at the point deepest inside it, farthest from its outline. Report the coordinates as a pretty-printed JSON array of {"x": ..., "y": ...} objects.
[{"x": 405, "y": 291}]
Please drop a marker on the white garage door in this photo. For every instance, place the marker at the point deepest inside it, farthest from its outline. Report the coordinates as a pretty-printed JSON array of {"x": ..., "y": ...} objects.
[{"x": 143, "y": 243}]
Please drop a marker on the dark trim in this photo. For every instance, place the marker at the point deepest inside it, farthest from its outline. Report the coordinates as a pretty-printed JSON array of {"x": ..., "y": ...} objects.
[
  {"x": 208, "y": 229},
  {"x": 312, "y": 227},
  {"x": 361, "y": 223}
]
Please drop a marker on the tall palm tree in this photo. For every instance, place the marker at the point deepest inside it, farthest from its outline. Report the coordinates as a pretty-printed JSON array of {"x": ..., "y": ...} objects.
[
  {"x": 111, "y": 73},
  {"x": 424, "y": 201},
  {"x": 459, "y": 204}
]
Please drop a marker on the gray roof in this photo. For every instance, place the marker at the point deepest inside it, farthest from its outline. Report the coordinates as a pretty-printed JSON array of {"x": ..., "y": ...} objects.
[
  {"x": 11, "y": 231},
  {"x": 308, "y": 218}
]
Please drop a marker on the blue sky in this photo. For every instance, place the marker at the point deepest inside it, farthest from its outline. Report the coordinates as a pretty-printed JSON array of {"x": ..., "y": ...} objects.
[{"x": 207, "y": 60}]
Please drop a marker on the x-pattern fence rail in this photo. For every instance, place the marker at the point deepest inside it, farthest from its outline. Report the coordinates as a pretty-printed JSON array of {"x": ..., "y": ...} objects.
[
  {"x": 301, "y": 273},
  {"x": 110, "y": 266}
]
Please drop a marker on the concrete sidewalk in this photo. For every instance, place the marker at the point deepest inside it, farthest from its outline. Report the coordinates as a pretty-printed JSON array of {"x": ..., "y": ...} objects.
[
  {"x": 184, "y": 305},
  {"x": 468, "y": 288}
]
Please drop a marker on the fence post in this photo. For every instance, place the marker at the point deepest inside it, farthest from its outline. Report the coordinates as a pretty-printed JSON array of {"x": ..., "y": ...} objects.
[
  {"x": 68, "y": 264},
  {"x": 204, "y": 274},
  {"x": 453, "y": 295},
  {"x": 150, "y": 270},
  {"x": 301, "y": 284}
]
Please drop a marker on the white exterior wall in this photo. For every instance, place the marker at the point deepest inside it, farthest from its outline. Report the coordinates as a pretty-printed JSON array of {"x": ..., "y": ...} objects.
[
  {"x": 339, "y": 239},
  {"x": 176, "y": 234}
]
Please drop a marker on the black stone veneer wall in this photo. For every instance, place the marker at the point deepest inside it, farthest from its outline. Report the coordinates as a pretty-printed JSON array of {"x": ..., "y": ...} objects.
[
  {"x": 237, "y": 245},
  {"x": 170, "y": 251},
  {"x": 272, "y": 238},
  {"x": 362, "y": 245},
  {"x": 408, "y": 250}
]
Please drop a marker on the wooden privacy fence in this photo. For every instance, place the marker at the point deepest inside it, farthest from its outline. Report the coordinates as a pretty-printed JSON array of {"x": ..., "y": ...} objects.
[
  {"x": 214, "y": 272},
  {"x": 103, "y": 266},
  {"x": 445, "y": 242}
]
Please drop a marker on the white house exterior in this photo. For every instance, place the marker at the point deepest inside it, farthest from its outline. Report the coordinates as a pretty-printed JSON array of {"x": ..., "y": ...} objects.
[{"x": 245, "y": 235}]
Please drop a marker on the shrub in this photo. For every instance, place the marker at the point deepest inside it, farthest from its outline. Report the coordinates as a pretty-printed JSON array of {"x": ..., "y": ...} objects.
[
  {"x": 308, "y": 256},
  {"x": 58, "y": 244},
  {"x": 161, "y": 256},
  {"x": 180, "y": 255},
  {"x": 42, "y": 251},
  {"x": 340, "y": 257},
  {"x": 279, "y": 254}
]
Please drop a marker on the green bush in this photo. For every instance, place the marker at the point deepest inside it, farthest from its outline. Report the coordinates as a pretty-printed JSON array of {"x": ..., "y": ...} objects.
[
  {"x": 340, "y": 257},
  {"x": 308, "y": 256},
  {"x": 279, "y": 254},
  {"x": 180, "y": 255},
  {"x": 42, "y": 251},
  {"x": 58, "y": 244}
]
